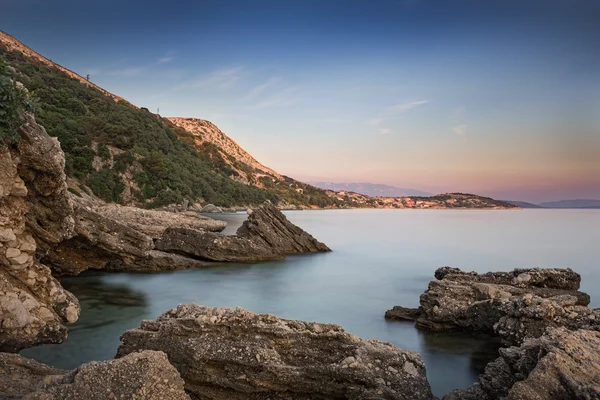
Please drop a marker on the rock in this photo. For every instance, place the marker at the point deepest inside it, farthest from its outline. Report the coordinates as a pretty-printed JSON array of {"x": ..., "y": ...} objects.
[
  {"x": 402, "y": 313},
  {"x": 561, "y": 364},
  {"x": 98, "y": 240},
  {"x": 156, "y": 261},
  {"x": 20, "y": 376},
  {"x": 266, "y": 235},
  {"x": 146, "y": 375},
  {"x": 516, "y": 304},
  {"x": 236, "y": 354},
  {"x": 211, "y": 208},
  {"x": 34, "y": 308},
  {"x": 213, "y": 246},
  {"x": 153, "y": 223},
  {"x": 41, "y": 167},
  {"x": 267, "y": 225}
]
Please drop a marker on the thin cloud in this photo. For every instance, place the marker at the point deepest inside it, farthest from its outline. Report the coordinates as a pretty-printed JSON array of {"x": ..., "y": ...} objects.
[
  {"x": 257, "y": 90},
  {"x": 460, "y": 130},
  {"x": 127, "y": 72},
  {"x": 393, "y": 112},
  {"x": 283, "y": 98},
  {"x": 221, "y": 79},
  {"x": 404, "y": 107},
  {"x": 164, "y": 60}
]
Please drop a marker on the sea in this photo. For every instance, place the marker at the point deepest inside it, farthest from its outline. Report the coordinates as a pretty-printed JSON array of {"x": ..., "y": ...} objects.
[{"x": 380, "y": 258}]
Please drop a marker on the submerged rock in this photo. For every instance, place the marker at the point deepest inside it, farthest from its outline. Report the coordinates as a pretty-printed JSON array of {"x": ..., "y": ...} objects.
[
  {"x": 561, "y": 364},
  {"x": 515, "y": 305},
  {"x": 235, "y": 354},
  {"x": 400, "y": 313},
  {"x": 146, "y": 375}
]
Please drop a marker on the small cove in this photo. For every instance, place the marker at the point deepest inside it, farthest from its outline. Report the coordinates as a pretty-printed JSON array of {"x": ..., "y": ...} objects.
[{"x": 380, "y": 258}]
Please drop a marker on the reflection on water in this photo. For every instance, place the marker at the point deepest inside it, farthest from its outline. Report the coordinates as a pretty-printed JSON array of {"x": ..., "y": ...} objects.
[{"x": 381, "y": 258}]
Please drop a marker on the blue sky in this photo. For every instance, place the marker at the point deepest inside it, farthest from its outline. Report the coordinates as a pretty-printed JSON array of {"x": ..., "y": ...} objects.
[{"x": 500, "y": 98}]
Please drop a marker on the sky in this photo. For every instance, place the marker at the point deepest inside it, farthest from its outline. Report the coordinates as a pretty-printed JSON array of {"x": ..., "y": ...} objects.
[{"x": 499, "y": 98}]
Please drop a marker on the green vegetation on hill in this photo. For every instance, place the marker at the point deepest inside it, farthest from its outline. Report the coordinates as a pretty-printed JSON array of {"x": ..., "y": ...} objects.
[{"x": 164, "y": 169}]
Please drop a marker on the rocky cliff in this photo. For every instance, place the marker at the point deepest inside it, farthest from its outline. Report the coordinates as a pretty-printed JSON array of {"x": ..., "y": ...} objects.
[{"x": 34, "y": 307}]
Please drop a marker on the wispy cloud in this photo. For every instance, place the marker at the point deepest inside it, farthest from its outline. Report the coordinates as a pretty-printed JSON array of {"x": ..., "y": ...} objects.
[
  {"x": 282, "y": 98},
  {"x": 458, "y": 119},
  {"x": 127, "y": 72},
  {"x": 404, "y": 107},
  {"x": 220, "y": 79},
  {"x": 164, "y": 60},
  {"x": 460, "y": 130},
  {"x": 393, "y": 112},
  {"x": 257, "y": 90}
]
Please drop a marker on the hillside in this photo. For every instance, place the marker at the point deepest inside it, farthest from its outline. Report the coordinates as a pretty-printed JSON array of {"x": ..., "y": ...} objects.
[
  {"x": 370, "y": 189},
  {"x": 206, "y": 134},
  {"x": 125, "y": 154},
  {"x": 522, "y": 204},
  {"x": 447, "y": 200},
  {"x": 122, "y": 153}
]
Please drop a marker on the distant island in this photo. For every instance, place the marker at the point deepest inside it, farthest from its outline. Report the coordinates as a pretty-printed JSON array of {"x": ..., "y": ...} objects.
[
  {"x": 370, "y": 189},
  {"x": 577, "y": 203}
]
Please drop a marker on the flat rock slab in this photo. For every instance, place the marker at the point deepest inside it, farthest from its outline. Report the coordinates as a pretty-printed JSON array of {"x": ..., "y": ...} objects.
[{"x": 235, "y": 354}]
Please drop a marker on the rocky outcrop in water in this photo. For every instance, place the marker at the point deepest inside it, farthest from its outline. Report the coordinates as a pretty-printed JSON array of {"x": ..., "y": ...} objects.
[
  {"x": 515, "y": 305},
  {"x": 269, "y": 226},
  {"x": 235, "y": 354},
  {"x": 214, "y": 247},
  {"x": 561, "y": 364},
  {"x": 146, "y": 375},
  {"x": 34, "y": 307},
  {"x": 266, "y": 235}
]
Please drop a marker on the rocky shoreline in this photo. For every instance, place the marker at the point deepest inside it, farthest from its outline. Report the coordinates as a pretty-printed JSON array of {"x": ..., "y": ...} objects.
[
  {"x": 553, "y": 334},
  {"x": 197, "y": 352}
]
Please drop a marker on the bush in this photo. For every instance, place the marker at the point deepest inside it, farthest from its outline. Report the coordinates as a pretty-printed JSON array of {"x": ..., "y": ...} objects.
[{"x": 106, "y": 184}]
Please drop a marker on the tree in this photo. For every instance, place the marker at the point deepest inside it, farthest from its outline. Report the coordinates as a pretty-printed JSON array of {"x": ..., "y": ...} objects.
[{"x": 14, "y": 101}]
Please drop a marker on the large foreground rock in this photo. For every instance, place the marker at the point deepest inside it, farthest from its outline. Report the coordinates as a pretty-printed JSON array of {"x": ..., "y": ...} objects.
[
  {"x": 146, "y": 375},
  {"x": 517, "y": 304},
  {"x": 34, "y": 307},
  {"x": 562, "y": 364},
  {"x": 269, "y": 226},
  {"x": 236, "y": 354}
]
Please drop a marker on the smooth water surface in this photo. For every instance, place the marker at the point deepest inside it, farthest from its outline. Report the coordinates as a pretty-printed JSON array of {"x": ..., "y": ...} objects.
[{"x": 380, "y": 258}]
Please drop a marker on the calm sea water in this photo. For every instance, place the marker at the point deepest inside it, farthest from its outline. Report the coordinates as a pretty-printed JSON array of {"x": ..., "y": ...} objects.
[{"x": 381, "y": 258}]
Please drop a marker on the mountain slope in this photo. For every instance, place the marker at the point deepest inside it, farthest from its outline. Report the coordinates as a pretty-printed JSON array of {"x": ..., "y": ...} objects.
[
  {"x": 370, "y": 189},
  {"x": 205, "y": 133},
  {"x": 522, "y": 204},
  {"x": 125, "y": 154}
]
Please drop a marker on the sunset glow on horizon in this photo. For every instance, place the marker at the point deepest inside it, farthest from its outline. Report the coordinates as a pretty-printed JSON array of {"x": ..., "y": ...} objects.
[{"x": 498, "y": 98}]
